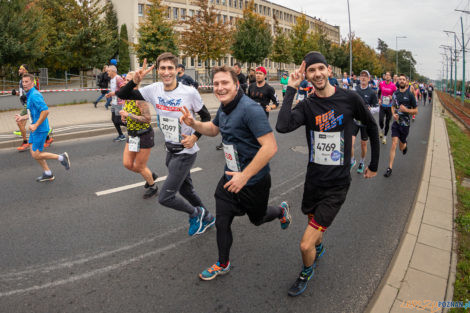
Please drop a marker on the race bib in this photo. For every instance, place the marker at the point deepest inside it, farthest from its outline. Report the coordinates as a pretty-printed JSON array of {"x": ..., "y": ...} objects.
[
  {"x": 374, "y": 110},
  {"x": 114, "y": 100},
  {"x": 284, "y": 87},
  {"x": 134, "y": 144},
  {"x": 327, "y": 148},
  {"x": 300, "y": 97},
  {"x": 170, "y": 128},
  {"x": 231, "y": 158},
  {"x": 385, "y": 100}
]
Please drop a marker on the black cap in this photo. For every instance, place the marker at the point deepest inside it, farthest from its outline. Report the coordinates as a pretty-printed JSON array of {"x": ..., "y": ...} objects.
[
  {"x": 181, "y": 65},
  {"x": 313, "y": 58}
]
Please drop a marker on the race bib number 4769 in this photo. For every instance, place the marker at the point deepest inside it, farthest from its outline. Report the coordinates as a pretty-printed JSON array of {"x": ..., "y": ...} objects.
[{"x": 327, "y": 148}]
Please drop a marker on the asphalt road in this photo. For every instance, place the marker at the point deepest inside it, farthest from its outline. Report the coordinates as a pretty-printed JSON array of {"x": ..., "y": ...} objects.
[{"x": 63, "y": 248}]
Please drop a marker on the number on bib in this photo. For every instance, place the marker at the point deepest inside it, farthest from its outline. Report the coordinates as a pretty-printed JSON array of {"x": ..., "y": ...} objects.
[
  {"x": 327, "y": 148},
  {"x": 170, "y": 128},
  {"x": 134, "y": 144},
  {"x": 231, "y": 158}
]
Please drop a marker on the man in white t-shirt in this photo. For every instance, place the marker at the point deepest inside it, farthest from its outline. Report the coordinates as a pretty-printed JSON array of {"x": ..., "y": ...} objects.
[{"x": 168, "y": 97}]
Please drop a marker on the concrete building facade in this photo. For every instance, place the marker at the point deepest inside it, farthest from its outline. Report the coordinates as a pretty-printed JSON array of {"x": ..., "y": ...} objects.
[{"x": 132, "y": 12}]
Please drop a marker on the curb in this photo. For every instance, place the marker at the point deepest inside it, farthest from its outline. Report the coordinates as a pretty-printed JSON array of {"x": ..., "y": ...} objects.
[{"x": 388, "y": 290}]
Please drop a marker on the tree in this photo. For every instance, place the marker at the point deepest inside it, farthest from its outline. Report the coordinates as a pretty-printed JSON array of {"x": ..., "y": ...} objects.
[
  {"x": 382, "y": 46},
  {"x": 299, "y": 39},
  {"x": 23, "y": 38},
  {"x": 111, "y": 27},
  {"x": 206, "y": 36},
  {"x": 282, "y": 48},
  {"x": 321, "y": 43},
  {"x": 252, "y": 40},
  {"x": 124, "y": 58},
  {"x": 156, "y": 33}
]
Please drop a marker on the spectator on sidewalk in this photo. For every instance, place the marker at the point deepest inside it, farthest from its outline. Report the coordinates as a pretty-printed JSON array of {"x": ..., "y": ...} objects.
[{"x": 102, "y": 81}]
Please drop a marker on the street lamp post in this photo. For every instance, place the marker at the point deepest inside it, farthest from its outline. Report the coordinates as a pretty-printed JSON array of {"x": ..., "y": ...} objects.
[
  {"x": 350, "y": 42},
  {"x": 455, "y": 59},
  {"x": 396, "y": 47}
]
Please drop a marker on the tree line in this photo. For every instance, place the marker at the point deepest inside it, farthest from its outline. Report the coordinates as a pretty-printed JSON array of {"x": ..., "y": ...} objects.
[{"x": 83, "y": 34}]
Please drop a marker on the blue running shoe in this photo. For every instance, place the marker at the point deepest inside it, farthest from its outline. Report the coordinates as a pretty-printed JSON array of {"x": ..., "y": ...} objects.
[
  {"x": 286, "y": 217},
  {"x": 353, "y": 163},
  {"x": 319, "y": 253},
  {"x": 360, "y": 168},
  {"x": 206, "y": 225},
  {"x": 195, "y": 223},
  {"x": 300, "y": 284},
  {"x": 213, "y": 271}
]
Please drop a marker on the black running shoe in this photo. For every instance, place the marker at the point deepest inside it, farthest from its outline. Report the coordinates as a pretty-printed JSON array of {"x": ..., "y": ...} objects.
[
  {"x": 150, "y": 192},
  {"x": 300, "y": 284},
  {"x": 405, "y": 150},
  {"x": 154, "y": 176},
  {"x": 45, "y": 177},
  {"x": 388, "y": 173},
  {"x": 220, "y": 147}
]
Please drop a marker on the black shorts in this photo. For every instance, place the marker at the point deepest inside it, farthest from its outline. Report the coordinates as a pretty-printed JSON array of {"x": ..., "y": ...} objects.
[
  {"x": 251, "y": 200},
  {"x": 400, "y": 131},
  {"x": 322, "y": 204},
  {"x": 147, "y": 140},
  {"x": 356, "y": 129}
]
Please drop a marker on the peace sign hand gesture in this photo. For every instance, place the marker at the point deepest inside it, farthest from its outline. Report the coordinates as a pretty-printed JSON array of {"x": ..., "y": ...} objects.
[
  {"x": 140, "y": 74},
  {"x": 297, "y": 76},
  {"x": 187, "y": 118}
]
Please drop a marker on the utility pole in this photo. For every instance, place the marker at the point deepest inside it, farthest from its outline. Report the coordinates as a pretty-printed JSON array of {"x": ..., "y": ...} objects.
[
  {"x": 350, "y": 42},
  {"x": 455, "y": 59},
  {"x": 463, "y": 55}
]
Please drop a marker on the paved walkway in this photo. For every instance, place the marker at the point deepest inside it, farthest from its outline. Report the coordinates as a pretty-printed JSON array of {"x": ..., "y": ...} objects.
[
  {"x": 76, "y": 120},
  {"x": 422, "y": 272}
]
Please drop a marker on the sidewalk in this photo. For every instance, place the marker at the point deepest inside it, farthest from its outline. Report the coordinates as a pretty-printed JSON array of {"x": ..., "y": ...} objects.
[
  {"x": 76, "y": 121},
  {"x": 422, "y": 272}
]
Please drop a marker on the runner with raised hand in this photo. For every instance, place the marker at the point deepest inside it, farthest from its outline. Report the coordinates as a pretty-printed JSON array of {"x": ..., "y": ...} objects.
[
  {"x": 249, "y": 144},
  {"x": 328, "y": 116},
  {"x": 168, "y": 97}
]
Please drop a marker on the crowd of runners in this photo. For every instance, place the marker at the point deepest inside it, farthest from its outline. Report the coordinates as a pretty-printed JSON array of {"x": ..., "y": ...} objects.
[{"x": 332, "y": 111}]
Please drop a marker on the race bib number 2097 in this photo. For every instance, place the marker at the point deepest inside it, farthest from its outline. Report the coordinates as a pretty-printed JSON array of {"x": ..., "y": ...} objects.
[{"x": 327, "y": 148}]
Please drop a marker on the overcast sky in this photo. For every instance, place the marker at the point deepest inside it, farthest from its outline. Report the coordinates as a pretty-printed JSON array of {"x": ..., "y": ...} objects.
[{"x": 422, "y": 21}]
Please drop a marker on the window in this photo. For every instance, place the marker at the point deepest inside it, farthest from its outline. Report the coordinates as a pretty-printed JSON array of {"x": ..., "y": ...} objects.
[
  {"x": 231, "y": 59},
  {"x": 183, "y": 14},
  {"x": 140, "y": 9},
  {"x": 191, "y": 13},
  {"x": 225, "y": 61},
  {"x": 231, "y": 20},
  {"x": 169, "y": 12},
  {"x": 224, "y": 2},
  {"x": 225, "y": 19},
  {"x": 192, "y": 62},
  {"x": 199, "y": 64},
  {"x": 217, "y": 1},
  {"x": 175, "y": 13},
  {"x": 256, "y": 7},
  {"x": 184, "y": 61},
  {"x": 269, "y": 11},
  {"x": 213, "y": 63},
  {"x": 219, "y": 63},
  {"x": 241, "y": 4},
  {"x": 235, "y": 3},
  {"x": 229, "y": 3}
]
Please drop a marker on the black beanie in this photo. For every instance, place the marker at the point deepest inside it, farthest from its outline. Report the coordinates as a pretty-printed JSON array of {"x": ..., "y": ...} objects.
[{"x": 313, "y": 58}]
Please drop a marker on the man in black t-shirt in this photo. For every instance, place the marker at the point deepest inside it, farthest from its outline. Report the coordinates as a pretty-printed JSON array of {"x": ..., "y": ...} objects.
[
  {"x": 262, "y": 92},
  {"x": 370, "y": 98},
  {"x": 328, "y": 116},
  {"x": 403, "y": 107},
  {"x": 241, "y": 77},
  {"x": 430, "y": 90}
]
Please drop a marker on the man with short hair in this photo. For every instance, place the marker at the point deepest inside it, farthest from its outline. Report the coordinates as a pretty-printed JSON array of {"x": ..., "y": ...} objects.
[
  {"x": 345, "y": 81},
  {"x": 184, "y": 78},
  {"x": 23, "y": 70},
  {"x": 249, "y": 144},
  {"x": 328, "y": 116},
  {"x": 370, "y": 99},
  {"x": 404, "y": 106},
  {"x": 430, "y": 91},
  {"x": 168, "y": 97},
  {"x": 333, "y": 81},
  {"x": 262, "y": 92},
  {"x": 115, "y": 83},
  {"x": 241, "y": 77},
  {"x": 37, "y": 112},
  {"x": 386, "y": 90}
]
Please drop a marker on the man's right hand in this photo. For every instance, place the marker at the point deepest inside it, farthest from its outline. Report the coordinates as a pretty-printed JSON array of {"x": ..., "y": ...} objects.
[
  {"x": 297, "y": 76},
  {"x": 13, "y": 92},
  {"x": 140, "y": 74},
  {"x": 187, "y": 118}
]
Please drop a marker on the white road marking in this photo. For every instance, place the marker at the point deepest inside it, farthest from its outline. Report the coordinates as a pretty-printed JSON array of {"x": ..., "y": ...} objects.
[
  {"x": 92, "y": 273},
  {"x": 117, "y": 189}
]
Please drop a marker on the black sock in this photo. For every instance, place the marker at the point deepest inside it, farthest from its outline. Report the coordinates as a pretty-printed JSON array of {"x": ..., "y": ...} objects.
[{"x": 25, "y": 141}]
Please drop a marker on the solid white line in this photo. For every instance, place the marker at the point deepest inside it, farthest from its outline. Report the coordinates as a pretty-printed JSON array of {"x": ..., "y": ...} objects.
[{"x": 113, "y": 190}]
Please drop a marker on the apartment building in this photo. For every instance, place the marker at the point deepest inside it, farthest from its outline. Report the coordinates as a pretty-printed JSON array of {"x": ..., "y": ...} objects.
[{"x": 132, "y": 12}]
